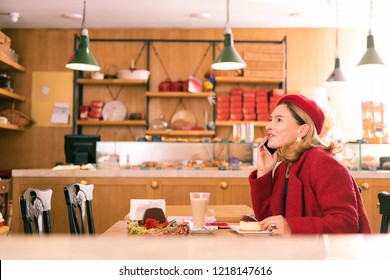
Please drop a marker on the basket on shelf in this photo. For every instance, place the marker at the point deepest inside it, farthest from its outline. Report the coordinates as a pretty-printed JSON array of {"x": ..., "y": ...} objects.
[{"x": 16, "y": 117}]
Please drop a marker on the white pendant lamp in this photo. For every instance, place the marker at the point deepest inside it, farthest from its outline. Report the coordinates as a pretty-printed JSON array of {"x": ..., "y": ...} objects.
[
  {"x": 337, "y": 76},
  {"x": 371, "y": 56}
]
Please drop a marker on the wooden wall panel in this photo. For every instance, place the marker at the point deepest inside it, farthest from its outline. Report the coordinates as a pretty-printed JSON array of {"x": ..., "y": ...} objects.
[{"x": 310, "y": 58}]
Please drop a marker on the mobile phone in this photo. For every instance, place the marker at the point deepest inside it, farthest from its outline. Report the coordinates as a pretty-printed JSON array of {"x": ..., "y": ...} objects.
[{"x": 270, "y": 150}]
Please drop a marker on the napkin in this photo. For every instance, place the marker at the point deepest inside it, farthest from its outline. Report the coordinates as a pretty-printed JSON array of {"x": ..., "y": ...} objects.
[{"x": 138, "y": 207}]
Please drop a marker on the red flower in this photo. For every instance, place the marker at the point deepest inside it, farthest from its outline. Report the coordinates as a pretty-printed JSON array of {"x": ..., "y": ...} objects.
[{"x": 151, "y": 223}]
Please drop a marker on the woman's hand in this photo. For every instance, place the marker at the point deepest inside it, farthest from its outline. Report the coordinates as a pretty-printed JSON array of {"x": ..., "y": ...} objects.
[
  {"x": 276, "y": 224},
  {"x": 265, "y": 161}
]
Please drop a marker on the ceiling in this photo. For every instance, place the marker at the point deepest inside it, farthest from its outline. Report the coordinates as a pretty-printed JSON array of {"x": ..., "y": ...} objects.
[{"x": 179, "y": 13}]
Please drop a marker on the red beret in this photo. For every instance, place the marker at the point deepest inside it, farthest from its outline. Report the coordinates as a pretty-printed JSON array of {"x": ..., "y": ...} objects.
[{"x": 307, "y": 105}]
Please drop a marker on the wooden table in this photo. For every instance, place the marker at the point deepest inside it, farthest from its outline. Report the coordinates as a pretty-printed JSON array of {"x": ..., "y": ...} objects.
[{"x": 223, "y": 213}]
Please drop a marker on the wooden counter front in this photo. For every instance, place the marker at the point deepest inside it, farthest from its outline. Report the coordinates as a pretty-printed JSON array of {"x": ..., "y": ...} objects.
[{"x": 114, "y": 189}]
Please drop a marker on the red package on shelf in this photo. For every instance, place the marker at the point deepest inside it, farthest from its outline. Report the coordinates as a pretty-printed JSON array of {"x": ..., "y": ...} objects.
[
  {"x": 277, "y": 92},
  {"x": 246, "y": 110},
  {"x": 235, "y": 91},
  {"x": 261, "y": 92}
]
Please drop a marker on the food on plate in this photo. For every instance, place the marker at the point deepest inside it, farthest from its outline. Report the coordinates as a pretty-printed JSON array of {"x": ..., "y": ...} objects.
[{"x": 248, "y": 223}]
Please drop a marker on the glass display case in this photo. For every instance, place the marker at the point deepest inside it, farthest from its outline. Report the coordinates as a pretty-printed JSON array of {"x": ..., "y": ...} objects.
[
  {"x": 366, "y": 156},
  {"x": 174, "y": 155}
]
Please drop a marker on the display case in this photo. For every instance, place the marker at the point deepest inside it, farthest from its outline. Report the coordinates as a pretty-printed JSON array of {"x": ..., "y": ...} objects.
[
  {"x": 366, "y": 156},
  {"x": 177, "y": 156}
]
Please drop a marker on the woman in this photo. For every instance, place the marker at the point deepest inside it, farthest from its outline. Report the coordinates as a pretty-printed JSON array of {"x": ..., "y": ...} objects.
[{"x": 301, "y": 188}]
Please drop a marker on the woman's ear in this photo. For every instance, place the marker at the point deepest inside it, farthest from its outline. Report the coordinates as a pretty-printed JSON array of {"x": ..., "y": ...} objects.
[{"x": 303, "y": 130}]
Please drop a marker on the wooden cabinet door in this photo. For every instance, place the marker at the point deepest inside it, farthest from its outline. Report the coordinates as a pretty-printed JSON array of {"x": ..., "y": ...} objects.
[
  {"x": 176, "y": 191},
  {"x": 222, "y": 190},
  {"x": 377, "y": 186},
  {"x": 234, "y": 191},
  {"x": 111, "y": 199}
]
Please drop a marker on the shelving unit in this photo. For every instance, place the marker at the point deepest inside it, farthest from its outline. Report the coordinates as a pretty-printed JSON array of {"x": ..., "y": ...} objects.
[
  {"x": 167, "y": 103},
  {"x": 81, "y": 82},
  {"x": 11, "y": 95},
  {"x": 111, "y": 82},
  {"x": 8, "y": 65},
  {"x": 247, "y": 80},
  {"x": 170, "y": 132}
]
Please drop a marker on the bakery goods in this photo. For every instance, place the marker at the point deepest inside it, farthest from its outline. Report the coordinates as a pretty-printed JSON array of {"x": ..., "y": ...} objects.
[{"x": 248, "y": 223}]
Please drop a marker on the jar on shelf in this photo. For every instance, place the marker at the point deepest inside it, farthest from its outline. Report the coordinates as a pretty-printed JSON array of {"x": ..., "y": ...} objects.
[{"x": 6, "y": 81}]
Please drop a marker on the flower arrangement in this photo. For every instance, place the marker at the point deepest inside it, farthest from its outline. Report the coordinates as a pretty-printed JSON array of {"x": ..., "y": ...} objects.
[{"x": 152, "y": 227}]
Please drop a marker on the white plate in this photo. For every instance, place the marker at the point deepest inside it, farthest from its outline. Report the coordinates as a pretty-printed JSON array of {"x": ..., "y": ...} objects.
[
  {"x": 236, "y": 228},
  {"x": 114, "y": 111},
  {"x": 205, "y": 230}
]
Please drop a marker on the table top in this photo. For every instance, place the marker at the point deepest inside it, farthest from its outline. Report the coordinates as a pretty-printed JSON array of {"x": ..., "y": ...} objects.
[
  {"x": 223, "y": 213},
  {"x": 223, "y": 245}
]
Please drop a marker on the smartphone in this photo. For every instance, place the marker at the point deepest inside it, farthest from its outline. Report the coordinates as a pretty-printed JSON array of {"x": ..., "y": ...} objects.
[{"x": 270, "y": 150}]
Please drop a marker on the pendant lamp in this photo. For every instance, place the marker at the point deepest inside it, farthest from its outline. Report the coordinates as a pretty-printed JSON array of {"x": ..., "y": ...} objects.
[
  {"x": 370, "y": 56},
  {"x": 229, "y": 58},
  {"x": 83, "y": 59},
  {"x": 337, "y": 76}
]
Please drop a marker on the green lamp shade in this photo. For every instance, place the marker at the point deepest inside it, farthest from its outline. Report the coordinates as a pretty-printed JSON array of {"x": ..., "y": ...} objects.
[
  {"x": 83, "y": 59},
  {"x": 337, "y": 75},
  {"x": 370, "y": 56},
  {"x": 229, "y": 58}
]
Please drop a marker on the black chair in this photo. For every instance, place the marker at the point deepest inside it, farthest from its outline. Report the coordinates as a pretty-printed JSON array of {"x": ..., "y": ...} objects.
[
  {"x": 35, "y": 206},
  {"x": 78, "y": 199},
  {"x": 384, "y": 210}
]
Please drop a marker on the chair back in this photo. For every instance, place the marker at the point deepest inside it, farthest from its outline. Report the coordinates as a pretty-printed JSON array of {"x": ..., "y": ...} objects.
[
  {"x": 384, "y": 210},
  {"x": 35, "y": 206},
  {"x": 78, "y": 199}
]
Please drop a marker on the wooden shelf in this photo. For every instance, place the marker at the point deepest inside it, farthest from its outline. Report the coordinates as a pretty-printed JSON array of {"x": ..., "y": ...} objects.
[
  {"x": 10, "y": 127},
  {"x": 109, "y": 82},
  {"x": 112, "y": 123},
  {"x": 181, "y": 132},
  {"x": 247, "y": 80},
  {"x": 8, "y": 64},
  {"x": 231, "y": 123},
  {"x": 11, "y": 95},
  {"x": 180, "y": 94}
]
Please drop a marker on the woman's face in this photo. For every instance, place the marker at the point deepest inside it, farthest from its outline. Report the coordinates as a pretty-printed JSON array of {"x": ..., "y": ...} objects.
[{"x": 283, "y": 129}]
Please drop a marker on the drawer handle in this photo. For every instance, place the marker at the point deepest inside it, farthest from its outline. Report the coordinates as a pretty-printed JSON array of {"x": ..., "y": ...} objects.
[
  {"x": 154, "y": 185},
  {"x": 364, "y": 186},
  {"x": 3, "y": 187},
  {"x": 223, "y": 185},
  {"x": 84, "y": 182}
]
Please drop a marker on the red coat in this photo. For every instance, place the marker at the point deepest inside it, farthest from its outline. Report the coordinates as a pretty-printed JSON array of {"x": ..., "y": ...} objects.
[{"x": 322, "y": 196}]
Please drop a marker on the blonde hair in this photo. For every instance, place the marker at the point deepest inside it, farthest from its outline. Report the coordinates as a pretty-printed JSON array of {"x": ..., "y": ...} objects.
[{"x": 293, "y": 152}]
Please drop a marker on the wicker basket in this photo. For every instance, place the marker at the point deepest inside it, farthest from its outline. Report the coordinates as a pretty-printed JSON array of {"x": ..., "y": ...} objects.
[{"x": 16, "y": 117}]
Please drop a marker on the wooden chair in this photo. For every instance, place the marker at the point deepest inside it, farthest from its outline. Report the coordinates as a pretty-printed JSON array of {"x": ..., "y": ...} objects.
[
  {"x": 78, "y": 199},
  {"x": 35, "y": 207},
  {"x": 384, "y": 210}
]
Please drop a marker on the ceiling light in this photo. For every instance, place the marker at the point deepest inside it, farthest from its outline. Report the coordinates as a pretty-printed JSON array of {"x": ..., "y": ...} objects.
[
  {"x": 337, "y": 76},
  {"x": 14, "y": 16},
  {"x": 229, "y": 58},
  {"x": 73, "y": 16},
  {"x": 201, "y": 15},
  {"x": 370, "y": 56},
  {"x": 83, "y": 58}
]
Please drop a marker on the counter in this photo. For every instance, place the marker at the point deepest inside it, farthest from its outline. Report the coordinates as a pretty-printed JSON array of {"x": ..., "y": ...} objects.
[
  {"x": 380, "y": 174},
  {"x": 114, "y": 189},
  {"x": 224, "y": 246}
]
